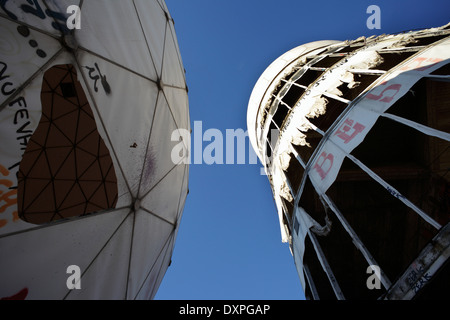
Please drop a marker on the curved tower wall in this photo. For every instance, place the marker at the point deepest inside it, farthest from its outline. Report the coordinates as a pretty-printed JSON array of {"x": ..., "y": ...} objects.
[{"x": 354, "y": 138}]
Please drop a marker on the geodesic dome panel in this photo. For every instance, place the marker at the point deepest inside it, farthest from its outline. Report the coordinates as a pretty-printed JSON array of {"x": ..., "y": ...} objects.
[
  {"x": 86, "y": 175},
  {"x": 354, "y": 138}
]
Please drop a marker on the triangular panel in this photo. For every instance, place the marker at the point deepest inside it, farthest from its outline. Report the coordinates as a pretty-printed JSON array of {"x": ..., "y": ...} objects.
[
  {"x": 153, "y": 20},
  {"x": 158, "y": 161},
  {"x": 106, "y": 276},
  {"x": 38, "y": 259},
  {"x": 150, "y": 237},
  {"x": 170, "y": 187},
  {"x": 154, "y": 276},
  {"x": 173, "y": 71},
  {"x": 178, "y": 103},
  {"x": 105, "y": 32}
]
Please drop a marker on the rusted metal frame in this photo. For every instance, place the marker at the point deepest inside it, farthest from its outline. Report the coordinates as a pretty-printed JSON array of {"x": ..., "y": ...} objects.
[
  {"x": 312, "y": 285},
  {"x": 395, "y": 193},
  {"x": 423, "y": 268},
  {"x": 356, "y": 240},
  {"x": 424, "y": 129},
  {"x": 326, "y": 267}
]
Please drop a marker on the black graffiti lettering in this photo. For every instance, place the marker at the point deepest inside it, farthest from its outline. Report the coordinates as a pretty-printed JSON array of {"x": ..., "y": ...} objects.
[
  {"x": 57, "y": 16},
  {"x": 33, "y": 7},
  {"x": 14, "y": 165},
  {"x": 23, "y": 115},
  {"x": 95, "y": 78},
  {"x": 38, "y": 12},
  {"x": 7, "y": 93},
  {"x": 21, "y": 129},
  {"x": 3, "y": 89},
  {"x": 411, "y": 278},
  {"x": 102, "y": 78},
  {"x": 3, "y": 70},
  {"x": 5, "y": 66},
  {"x": 105, "y": 85},
  {"x": 19, "y": 101},
  {"x": 9, "y": 13},
  {"x": 24, "y": 141}
]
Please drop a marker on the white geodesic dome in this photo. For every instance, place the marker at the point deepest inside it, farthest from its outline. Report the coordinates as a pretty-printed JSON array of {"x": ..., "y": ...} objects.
[{"x": 90, "y": 96}]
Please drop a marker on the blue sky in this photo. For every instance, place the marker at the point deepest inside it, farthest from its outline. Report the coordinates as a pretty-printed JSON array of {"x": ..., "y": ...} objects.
[{"x": 229, "y": 245}]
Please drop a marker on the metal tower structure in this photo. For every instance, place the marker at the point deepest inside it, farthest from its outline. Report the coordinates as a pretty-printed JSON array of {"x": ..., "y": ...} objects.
[{"x": 354, "y": 138}]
